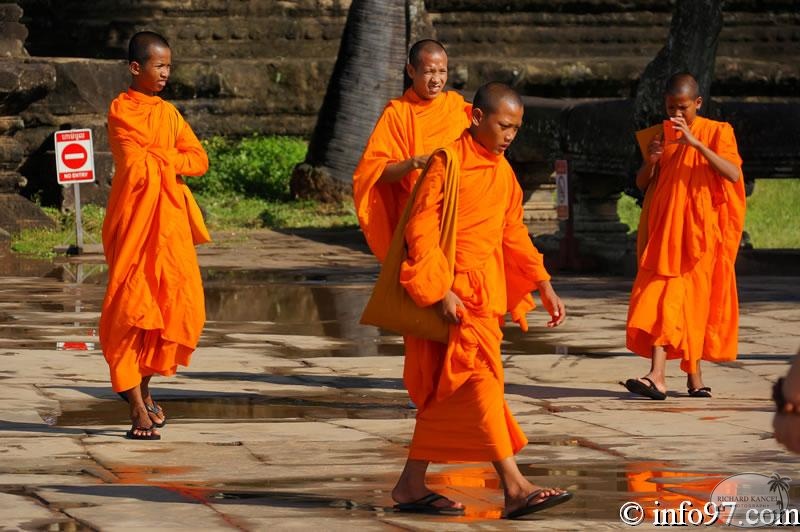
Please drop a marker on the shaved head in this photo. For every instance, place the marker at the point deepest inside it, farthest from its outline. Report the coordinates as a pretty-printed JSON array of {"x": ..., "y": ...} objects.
[
  {"x": 139, "y": 47},
  {"x": 489, "y": 96},
  {"x": 682, "y": 83},
  {"x": 424, "y": 46}
]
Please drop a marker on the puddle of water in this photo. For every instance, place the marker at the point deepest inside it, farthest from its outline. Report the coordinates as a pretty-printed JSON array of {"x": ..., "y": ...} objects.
[{"x": 242, "y": 408}]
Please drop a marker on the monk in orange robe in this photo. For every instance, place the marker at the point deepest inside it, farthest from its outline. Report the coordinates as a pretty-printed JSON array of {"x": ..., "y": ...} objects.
[
  {"x": 458, "y": 386},
  {"x": 426, "y": 117},
  {"x": 153, "y": 311},
  {"x": 684, "y": 303}
]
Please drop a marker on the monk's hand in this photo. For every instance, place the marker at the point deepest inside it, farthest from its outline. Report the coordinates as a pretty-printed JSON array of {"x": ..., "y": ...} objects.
[
  {"x": 655, "y": 149},
  {"x": 679, "y": 123},
  {"x": 448, "y": 306},
  {"x": 552, "y": 304},
  {"x": 418, "y": 162}
]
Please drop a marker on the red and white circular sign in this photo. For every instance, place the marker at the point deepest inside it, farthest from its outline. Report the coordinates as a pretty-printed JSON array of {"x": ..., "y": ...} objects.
[{"x": 74, "y": 156}]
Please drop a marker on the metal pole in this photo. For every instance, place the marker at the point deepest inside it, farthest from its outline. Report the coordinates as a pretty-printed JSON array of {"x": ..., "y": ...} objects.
[{"x": 78, "y": 226}]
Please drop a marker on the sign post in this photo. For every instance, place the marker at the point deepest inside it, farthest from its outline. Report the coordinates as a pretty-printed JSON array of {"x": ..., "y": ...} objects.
[{"x": 75, "y": 165}]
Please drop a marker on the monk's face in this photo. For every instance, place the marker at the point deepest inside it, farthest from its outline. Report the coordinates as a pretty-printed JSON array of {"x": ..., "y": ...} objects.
[
  {"x": 151, "y": 77},
  {"x": 684, "y": 104},
  {"x": 495, "y": 131},
  {"x": 429, "y": 77}
]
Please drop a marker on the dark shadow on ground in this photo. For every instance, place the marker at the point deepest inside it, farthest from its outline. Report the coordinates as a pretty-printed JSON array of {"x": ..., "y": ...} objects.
[{"x": 348, "y": 237}]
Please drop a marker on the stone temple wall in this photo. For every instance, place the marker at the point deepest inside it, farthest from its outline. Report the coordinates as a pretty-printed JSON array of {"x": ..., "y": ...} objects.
[{"x": 262, "y": 66}]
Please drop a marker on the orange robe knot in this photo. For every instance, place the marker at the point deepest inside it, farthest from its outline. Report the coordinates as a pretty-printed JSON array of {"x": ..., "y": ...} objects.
[
  {"x": 458, "y": 387},
  {"x": 153, "y": 311},
  {"x": 684, "y": 296},
  {"x": 409, "y": 126}
]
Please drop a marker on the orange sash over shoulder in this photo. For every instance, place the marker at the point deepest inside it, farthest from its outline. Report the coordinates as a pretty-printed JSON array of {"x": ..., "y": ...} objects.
[
  {"x": 153, "y": 311},
  {"x": 409, "y": 126},
  {"x": 684, "y": 297}
]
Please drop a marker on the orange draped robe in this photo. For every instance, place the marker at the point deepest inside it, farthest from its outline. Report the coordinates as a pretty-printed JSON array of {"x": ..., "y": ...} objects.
[
  {"x": 409, "y": 126},
  {"x": 684, "y": 296},
  {"x": 153, "y": 311},
  {"x": 458, "y": 387}
]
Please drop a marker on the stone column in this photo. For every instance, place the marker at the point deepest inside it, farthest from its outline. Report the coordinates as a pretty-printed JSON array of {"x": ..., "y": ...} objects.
[{"x": 20, "y": 83}]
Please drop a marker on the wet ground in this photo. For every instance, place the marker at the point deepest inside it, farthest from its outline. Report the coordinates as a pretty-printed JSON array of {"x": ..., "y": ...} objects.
[{"x": 292, "y": 416}]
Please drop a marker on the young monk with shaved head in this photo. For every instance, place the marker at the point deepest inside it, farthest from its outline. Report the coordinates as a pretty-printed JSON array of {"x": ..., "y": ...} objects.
[
  {"x": 153, "y": 311},
  {"x": 684, "y": 303},
  {"x": 425, "y": 117},
  {"x": 458, "y": 386}
]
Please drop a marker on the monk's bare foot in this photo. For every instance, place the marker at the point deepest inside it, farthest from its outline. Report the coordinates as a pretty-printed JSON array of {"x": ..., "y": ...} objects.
[
  {"x": 403, "y": 494},
  {"x": 142, "y": 424},
  {"x": 694, "y": 381},
  {"x": 530, "y": 497},
  {"x": 154, "y": 410}
]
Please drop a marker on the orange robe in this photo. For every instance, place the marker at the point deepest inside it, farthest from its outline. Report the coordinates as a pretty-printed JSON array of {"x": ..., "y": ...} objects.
[
  {"x": 458, "y": 387},
  {"x": 684, "y": 296},
  {"x": 153, "y": 311},
  {"x": 409, "y": 126}
]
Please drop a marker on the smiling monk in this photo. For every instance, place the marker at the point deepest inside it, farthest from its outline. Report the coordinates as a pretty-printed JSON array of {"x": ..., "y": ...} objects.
[
  {"x": 458, "y": 386},
  {"x": 684, "y": 303},
  {"x": 153, "y": 311},
  {"x": 426, "y": 117}
]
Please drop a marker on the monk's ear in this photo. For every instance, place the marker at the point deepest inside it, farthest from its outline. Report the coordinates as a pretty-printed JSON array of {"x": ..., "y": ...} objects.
[
  {"x": 410, "y": 70},
  {"x": 699, "y": 102},
  {"x": 477, "y": 116},
  {"x": 135, "y": 68}
]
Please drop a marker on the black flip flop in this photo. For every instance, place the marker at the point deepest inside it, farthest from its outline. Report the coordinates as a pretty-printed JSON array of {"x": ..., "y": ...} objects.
[
  {"x": 639, "y": 388},
  {"x": 549, "y": 502},
  {"x": 426, "y": 505},
  {"x": 156, "y": 410},
  {"x": 705, "y": 391},
  {"x": 131, "y": 435}
]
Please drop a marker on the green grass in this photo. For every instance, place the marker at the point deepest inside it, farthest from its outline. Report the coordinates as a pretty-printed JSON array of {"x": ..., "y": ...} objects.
[
  {"x": 40, "y": 242},
  {"x": 232, "y": 212},
  {"x": 773, "y": 214},
  {"x": 772, "y": 219}
]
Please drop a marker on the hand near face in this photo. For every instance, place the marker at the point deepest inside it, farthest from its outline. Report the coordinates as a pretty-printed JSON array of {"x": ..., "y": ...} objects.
[{"x": 679, "y": 123}]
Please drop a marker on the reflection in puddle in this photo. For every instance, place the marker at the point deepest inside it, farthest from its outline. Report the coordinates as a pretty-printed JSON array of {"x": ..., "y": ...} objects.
[
  {"x": 245, "y": 408},
  {"x": 297, "y": 315}
]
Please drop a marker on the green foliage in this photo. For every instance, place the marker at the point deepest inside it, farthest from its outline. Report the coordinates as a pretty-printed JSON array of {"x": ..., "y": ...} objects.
[
  {"x": 629, "y": 212},
  {"x": 252, "y": 167},
  {"x": 40, "y": 242},
  {"x": 233, "y": 212},
  {"x": 772, "y": 219}
]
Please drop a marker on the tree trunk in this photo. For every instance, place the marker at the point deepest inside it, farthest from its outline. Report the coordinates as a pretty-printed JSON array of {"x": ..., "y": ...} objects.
[
  {"x": 368, "y": 72},
  {"x": 691, "y": 47}
]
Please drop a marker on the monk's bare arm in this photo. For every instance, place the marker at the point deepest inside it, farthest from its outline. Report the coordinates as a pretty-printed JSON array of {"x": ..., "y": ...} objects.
[
  {"x": 394, "y": 172},
  {"x": 645, "y": 175},
  {"x": 723, "y": 167}
]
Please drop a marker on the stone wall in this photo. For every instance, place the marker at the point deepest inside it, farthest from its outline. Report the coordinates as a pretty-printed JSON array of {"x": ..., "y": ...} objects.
[{"x": 261, "y": 66}]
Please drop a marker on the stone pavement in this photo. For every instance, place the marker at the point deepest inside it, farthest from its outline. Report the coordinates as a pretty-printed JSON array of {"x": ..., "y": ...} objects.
[{"x": 294, "y": 417}]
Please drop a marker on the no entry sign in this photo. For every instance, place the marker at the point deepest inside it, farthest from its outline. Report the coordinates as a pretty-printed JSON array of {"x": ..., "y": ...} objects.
[{"x": 74, "y": 156}]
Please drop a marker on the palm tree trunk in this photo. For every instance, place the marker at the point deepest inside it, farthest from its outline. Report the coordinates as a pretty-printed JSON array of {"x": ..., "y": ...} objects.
[
  {"x": 368, "y": 72},
  {"x": 691, "y": 47}
]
